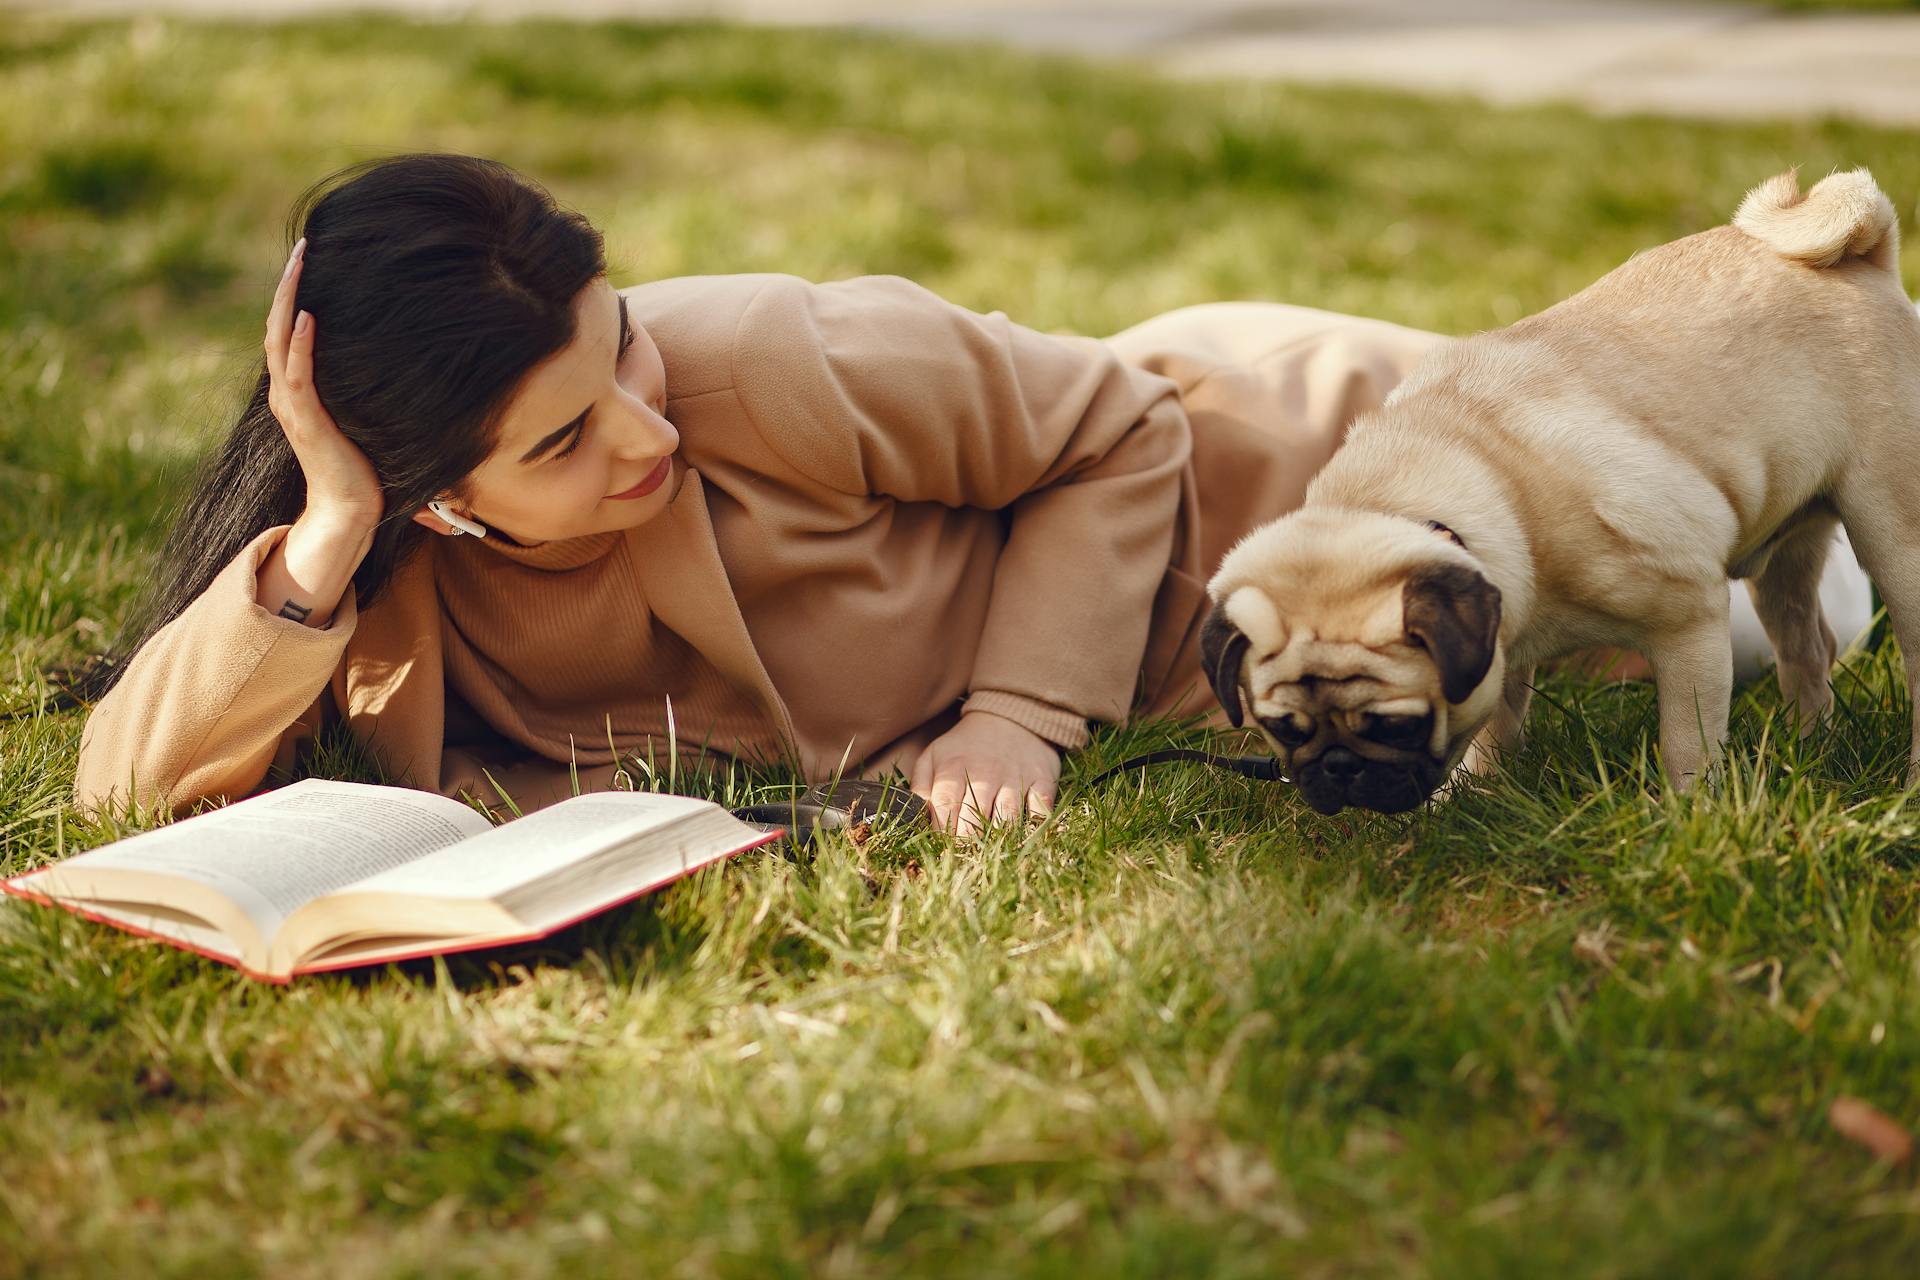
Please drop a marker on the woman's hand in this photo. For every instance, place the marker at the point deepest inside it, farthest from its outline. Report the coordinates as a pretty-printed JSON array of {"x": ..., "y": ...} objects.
[
  {"x": 986, "y": 768},
  {"x": 305, "y": 576},
  {"x": 342, "y": 490}
]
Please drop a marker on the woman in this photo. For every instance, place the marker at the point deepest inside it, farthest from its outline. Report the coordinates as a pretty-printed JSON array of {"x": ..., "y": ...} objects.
[{"x": 849, "y": 523}]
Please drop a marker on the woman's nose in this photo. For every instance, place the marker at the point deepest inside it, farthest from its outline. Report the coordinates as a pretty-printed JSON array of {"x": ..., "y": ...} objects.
[{"x": 645, "y": 433}]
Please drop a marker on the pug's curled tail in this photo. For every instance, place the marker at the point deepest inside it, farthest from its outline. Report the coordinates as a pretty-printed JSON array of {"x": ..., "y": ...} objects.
[{"x": 1845, "y": 215}]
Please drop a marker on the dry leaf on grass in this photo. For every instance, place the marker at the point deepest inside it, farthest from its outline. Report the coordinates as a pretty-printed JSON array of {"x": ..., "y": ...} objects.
[{"x": 1862, "y": 1122}]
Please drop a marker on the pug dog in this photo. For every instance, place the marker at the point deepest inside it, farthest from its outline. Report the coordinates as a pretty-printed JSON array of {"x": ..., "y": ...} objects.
[{"x": 1591, "y": 476}]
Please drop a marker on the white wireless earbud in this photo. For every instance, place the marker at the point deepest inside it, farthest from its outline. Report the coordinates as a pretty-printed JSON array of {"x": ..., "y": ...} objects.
[{"x": 459, "y": 522}]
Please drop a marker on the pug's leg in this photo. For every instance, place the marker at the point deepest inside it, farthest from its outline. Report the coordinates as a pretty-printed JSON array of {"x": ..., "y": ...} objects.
[
  {"x": 1693, "y": 673},
  {"x": 1507, "y": 730},
  {"x": 1886, "y": 536},
  {"x": 1786, "y": 595}
]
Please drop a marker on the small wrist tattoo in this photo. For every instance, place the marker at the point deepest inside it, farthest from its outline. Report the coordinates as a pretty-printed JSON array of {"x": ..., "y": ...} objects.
[{"x": 298, "y": 612}]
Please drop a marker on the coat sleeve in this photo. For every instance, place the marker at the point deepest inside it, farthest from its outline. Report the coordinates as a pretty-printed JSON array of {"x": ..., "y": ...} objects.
[
  {"x": 876, "y": 386},
  {"x": 213, "y": 698}
]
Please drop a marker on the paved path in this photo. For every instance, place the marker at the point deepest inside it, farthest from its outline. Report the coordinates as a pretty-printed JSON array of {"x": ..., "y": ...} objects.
[{"x": 1699, "y": 58}]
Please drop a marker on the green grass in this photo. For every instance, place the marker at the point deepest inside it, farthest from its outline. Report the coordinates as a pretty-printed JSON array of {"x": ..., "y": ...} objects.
[{"x": 1560, "y": 1024}]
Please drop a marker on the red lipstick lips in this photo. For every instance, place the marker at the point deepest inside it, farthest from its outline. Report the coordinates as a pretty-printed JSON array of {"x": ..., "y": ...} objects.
[{"x": 648, "y": 485}]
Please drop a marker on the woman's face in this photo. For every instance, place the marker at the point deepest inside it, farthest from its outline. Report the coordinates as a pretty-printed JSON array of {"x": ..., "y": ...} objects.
[{"x": 584, "y": 444}]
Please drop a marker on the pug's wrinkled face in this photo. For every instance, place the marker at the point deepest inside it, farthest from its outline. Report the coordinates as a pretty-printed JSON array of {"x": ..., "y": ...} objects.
[{"x": 1368, "y": 661}]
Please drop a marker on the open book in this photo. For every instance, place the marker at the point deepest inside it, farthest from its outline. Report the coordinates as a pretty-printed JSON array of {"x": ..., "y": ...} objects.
[{"x": 326, "y": 875}]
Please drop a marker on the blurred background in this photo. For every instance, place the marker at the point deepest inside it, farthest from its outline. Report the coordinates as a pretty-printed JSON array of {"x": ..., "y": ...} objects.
[{"x": 1707, "y": 57}]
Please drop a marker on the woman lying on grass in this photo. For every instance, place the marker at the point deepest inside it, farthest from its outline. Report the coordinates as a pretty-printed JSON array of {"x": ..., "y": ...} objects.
[{"x": 507, "y": 520}]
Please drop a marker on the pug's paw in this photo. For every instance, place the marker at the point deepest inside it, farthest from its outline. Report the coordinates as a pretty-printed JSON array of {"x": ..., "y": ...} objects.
[{"x": 1483, "y": 758}]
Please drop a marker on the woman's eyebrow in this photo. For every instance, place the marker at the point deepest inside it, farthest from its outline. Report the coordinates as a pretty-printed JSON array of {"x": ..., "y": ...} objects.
[
  {"x": 553, "y": 438},
  {"x": 548, "y": 442}
]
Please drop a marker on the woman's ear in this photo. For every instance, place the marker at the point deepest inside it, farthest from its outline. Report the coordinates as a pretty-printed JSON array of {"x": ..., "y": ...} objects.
[
  {"x": 427, "y": 520},
  {"x": 440, "y": 517}
]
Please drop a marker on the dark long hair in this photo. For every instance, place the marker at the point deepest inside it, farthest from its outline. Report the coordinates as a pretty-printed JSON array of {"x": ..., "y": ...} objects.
[{"x": 436, "y": 282}]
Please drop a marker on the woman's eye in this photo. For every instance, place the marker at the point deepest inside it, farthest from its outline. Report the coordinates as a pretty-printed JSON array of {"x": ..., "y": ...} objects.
[{"x": 578, "y": 436}]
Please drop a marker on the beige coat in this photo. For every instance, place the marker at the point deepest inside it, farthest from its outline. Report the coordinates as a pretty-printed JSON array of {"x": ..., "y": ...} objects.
[{"x": 894, "y": 510}]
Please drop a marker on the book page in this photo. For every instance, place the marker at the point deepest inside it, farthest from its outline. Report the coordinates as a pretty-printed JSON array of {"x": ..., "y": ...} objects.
[
  {"x": 537, "y": 845},
  {"x": 273, "y": 852},
  {"x": 165, "y": 923}
]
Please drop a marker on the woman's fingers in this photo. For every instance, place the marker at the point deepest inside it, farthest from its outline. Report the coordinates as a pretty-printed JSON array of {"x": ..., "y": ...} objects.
[
  {"x": 955, "y": 800},
  {"x": 920, "y": 782},
  {"x": 290, "y": 393},
  {"x": 967, "y": 791},
  {"x": 341, "y": 483},
  {"x": 946, "y": 796},
  {"x": 975, "y": 804},
  {"x": 280, "y": 317},
  {"x": 290, "y": 354},
  {"x": 297, "y": 377},
  {"x": 964, "y": 804}
]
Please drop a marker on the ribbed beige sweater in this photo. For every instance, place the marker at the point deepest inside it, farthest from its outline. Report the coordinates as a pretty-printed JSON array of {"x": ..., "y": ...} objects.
[{"x": 597, "y": 667}]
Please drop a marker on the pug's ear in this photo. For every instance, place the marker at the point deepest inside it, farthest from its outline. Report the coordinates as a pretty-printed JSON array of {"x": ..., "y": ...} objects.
[
  {"x": 1454, "y": 613},
  {"x": 1223, "y": 648}
]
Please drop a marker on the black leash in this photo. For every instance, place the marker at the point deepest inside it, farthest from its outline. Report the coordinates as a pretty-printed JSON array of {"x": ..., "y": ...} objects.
[
  {"x": 1265, "y": 768},
  {"x": 836, "y": 806}
]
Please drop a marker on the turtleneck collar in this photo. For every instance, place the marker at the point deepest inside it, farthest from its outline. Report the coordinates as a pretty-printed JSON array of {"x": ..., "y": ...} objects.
[{"x": 561, "y": 553}]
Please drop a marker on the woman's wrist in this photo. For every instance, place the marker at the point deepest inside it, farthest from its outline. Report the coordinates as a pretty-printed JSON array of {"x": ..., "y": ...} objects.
[
  {"x": 1065, "y": 730},
  {"x": 308, "y": 572},
  {"x": 339, "y": 525}
]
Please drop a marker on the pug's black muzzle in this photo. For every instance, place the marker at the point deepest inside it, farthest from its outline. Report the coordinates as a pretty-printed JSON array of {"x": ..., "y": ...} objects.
[{"x": 1338, "y": 778}]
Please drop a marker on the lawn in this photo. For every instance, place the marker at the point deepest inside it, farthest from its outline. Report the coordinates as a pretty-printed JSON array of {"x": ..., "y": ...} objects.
[{"x": 1561, "y": 1023}]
